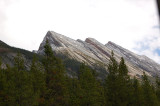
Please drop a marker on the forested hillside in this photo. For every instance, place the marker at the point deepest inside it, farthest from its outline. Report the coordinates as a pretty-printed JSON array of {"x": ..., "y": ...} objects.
[{"x": 47, "y": 83}]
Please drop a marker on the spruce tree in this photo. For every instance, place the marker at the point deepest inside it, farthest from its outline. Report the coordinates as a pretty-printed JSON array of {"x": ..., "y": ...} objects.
[
  {"x": 0, "y": 62},
  {"x": 56, "y": 93},
  {"x": 124, "y": 84},
  {"x": 38, "y": 81},
  {"x": 19, "y": 62},
  {"x": 92, "y": 91},
  {"x": 75, "y": 91},
  {"x": 137, "y": 97},
  {"x": 118, "y": 85},
  {"x": 158, "y": 88},
  {"x": 3, "y": 93},
  {"x": 150, "y": 98},
  {"x": 111, "y": 83},
  {"x": 22, "y": 86}
]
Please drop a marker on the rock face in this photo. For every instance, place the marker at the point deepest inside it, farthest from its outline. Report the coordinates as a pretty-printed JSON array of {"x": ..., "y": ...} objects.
[
  {"x": 7, "y": 54},
  {"x": 95, "y": 54},
  {"x": 140, "y": 61}
]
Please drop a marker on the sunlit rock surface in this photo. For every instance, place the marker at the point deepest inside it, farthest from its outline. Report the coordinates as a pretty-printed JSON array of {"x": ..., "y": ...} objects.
[{"x": 92, "y": 52}]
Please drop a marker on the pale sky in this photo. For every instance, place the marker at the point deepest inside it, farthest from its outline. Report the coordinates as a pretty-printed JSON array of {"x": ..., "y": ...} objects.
[{"x": 132, "y": 24}]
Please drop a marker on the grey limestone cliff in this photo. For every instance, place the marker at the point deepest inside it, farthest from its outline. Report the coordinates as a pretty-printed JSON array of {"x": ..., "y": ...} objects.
[{"x": 93, "y": 52}]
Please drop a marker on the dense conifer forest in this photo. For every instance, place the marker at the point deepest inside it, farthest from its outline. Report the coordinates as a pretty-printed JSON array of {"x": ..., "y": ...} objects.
[{"x": 47, "y": 84}]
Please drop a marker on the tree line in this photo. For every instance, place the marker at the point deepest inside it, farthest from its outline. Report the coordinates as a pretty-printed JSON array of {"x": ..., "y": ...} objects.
[{"x": 47, "y": 84}]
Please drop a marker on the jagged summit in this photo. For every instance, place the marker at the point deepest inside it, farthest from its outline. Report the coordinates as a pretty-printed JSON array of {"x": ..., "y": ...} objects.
[{"x": 95, "y": 53}]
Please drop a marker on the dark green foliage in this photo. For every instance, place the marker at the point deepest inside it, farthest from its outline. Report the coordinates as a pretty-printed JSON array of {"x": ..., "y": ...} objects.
[
  {"x": 38, "y": 81},
  {"x": 117, "y": 84},
  {"x": 19, "y": 62},
  {"x": 75, "y": 92},
  {"x": 0, "y": 62},
  {"x": 56, "y": 93},
  {"x": 158, "y": 88},
  {"x": 21, "y": 83},
  {"x": 47, "y": 84},
  {"x": 124, "y": 84},
  {"x": 150, "y": 98},
  {"x": 137, "y": 97},
  {"x": 17, "y": 85},
  {"x": 3, "y": 94},
  {"x": 72, "y": 66},
  {"x": 111, "y": 83},
  {"x": 92, "y": 91}
]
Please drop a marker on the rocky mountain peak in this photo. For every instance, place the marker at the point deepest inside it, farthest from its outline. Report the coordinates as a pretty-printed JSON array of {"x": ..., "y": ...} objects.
[{"x": 93, "y": 52}]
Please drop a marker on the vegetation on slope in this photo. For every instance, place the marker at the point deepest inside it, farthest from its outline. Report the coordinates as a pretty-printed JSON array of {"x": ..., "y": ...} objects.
[{"x": 47, "y": 83}]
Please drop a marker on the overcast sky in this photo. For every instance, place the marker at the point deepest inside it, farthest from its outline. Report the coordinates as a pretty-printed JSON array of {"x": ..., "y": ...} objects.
[{"x": 133, "y": 24}]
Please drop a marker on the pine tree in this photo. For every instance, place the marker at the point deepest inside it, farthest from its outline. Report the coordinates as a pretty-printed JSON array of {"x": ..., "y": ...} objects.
[
  {"x": 22, "y": 88},
  {"x": 75, "y": 91},
  {"x": 124, "y": 84},
  {"x": 3, "y": 94},
  {"x": 111, "y": 83},
  {"x": 38, "y": 81},
  {"x": 137, "y": 97},
  {"x": 158, "y": 88},
  {"x": 118, "y": 85},
  {"x": 0, "y": 62},
  {"x": 55, "y": 80},
  {"x": 19, "y": 62},
  {"x": 150, "y": 98},
  {"x": 9, "y": 86},
  {"x": 92, "y": 91},
  {"x": 123, "y": 71}
]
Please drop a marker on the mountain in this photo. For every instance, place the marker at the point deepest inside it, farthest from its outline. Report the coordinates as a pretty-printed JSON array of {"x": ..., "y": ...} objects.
[
  {"x": 141, "y": 61},
  {"x": 7, "y": 54},
  {"x": 95, "y": 54},
  {"x": 91, "y": 52}
]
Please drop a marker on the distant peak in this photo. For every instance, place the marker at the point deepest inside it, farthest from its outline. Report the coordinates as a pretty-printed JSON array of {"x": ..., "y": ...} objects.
[
  {"x": 89, "y": 38},
  {"x": 49, "y": 32},
  {"x": 79, "y": 40},
  {"x": 52, "y": 33},
  {"x": 111, "y": 43}
]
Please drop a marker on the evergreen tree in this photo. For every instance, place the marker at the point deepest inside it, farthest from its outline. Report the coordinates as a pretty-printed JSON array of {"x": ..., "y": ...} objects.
[
  {"x": 0, "y": 62},
  {"x": 158, "y": 88},
  {"x": 123, "y": 71},
  {"x": 19, "y": 62},
  {"x": 117, "y": 84},
  {"x": 10, "y": 86},
  {"x": 150, "y": 98},
  {"x": 124, "y": 84},
  {"x": 92, "y": 91},
  {"x": 21, "y": 83},
  {"x": 75, "y": 91},
  {"x": 38, "y": 81},
  {"x": 137, "y": 98},
  {"x": 56, "y": 93},
  {"x": 3, "y": 94},
  {"x": 111, "y": 83},
  {"x": 49, "y": 85}
]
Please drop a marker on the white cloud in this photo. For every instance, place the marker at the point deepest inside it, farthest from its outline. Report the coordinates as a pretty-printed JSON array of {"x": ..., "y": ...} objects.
[
  {"x": 124, "y": 22},
  {"x": 149, "y": 44}
]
